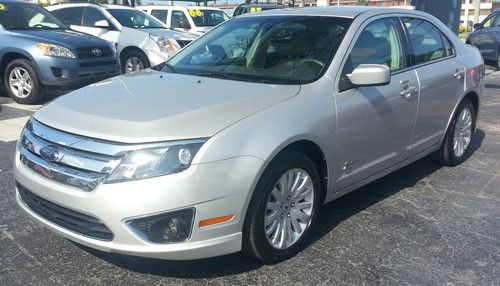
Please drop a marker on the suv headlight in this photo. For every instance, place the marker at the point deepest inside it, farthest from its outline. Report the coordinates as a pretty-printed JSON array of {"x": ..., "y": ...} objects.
[
  {"x": 154, "y": 162},
  {"x": 56, "y": 51},
  {"x": 166, "y": 45}
]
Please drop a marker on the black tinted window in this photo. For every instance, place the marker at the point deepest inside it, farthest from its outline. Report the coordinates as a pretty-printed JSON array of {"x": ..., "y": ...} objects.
[
  {"x": 160, "y": 15},
  {"x": 91, "y": 16},
  {"x": 427, "y": 41},
  {"x": 69, "y": 16},
  {"x": 179, "y": 20},
  {"x": 24, "y": 16}
]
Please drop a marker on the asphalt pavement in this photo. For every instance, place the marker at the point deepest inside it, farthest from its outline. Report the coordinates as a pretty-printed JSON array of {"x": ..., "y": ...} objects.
[{"x": 422, "y": 225}]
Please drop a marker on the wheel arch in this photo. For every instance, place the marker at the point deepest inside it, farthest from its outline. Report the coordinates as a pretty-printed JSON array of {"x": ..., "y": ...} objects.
[
  {"x": 473, "y": 96},
  {"x": 132, "y": 49},
  {"x": 9, "y": 56}
]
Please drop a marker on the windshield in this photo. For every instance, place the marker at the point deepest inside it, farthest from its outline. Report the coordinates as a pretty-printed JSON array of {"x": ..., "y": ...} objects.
[
  {"x": 135, "y": 19},
  {"x": 272, "y": 49},
  {"x": 207, "y": 18},
  {"x": 24, "y": 16}
]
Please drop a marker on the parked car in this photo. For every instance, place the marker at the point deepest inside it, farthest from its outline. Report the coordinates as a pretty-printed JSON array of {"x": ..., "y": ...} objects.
[
  {"x": 40, "y": 55},
  {"x": 195, "y": 19},
  {"x": 486, "y": 37},
  {"x": 252, "y": 8},
  {"x": 237, "y": 140},
  {"x": 141, "y": 40}
]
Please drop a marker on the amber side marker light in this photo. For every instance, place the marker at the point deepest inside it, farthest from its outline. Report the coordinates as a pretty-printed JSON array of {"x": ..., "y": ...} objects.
[{"x": 216, "y": 220}]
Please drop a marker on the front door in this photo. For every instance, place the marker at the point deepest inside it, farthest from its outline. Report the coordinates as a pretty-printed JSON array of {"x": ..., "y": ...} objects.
[{"x": 376, "y": 122}]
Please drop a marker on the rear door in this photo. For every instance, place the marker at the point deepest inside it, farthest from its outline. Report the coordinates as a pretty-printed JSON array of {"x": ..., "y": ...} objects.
[
  {"x": 376, "y": 122},
  {"x": 441, "y": 78}
]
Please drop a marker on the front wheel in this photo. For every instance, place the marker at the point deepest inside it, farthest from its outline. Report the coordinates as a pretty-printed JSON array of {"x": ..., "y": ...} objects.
[
  {"x": 283, "y": 208},
  {"x": 458, "y": 137},
  {"x": 134, "y": 61},
  {"x": 22, "y": 82}
]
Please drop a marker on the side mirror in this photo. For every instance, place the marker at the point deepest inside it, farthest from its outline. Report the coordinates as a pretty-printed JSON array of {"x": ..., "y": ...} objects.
[
  {"x": 103, "y": 24},
  {"x": 370, "y": 75},
  {"x": 477, "y": 26}
]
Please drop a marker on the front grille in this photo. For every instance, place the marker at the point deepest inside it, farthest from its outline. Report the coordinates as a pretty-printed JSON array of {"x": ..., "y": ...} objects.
[
  {"x": 86, "y": 53},
  {"x": 69, "y": 219},
  {"x": 98, "y": 64},
  {"x": 183, "y": 43}
]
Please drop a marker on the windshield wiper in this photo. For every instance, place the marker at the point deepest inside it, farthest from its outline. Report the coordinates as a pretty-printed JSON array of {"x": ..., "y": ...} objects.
[
  {"x": 214, "y": 74},
  {"x": 171, "y": 67}
]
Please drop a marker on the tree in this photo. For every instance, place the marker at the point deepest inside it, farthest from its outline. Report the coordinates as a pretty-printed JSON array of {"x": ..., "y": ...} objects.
[{"x": 362, "y": 2}]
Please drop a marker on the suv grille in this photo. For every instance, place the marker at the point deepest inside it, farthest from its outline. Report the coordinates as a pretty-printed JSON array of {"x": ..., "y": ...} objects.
[
  {"x": 86, "y": 53},
  {"x": 72, "y": 220},
  {"x": 183, "y": 43}
]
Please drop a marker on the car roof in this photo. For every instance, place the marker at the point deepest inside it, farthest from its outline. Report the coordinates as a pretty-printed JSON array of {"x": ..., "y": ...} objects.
[
  {"x": 333, "y": 11},
  {"x": 177, "y": 7},
  {"x": 262, "y": 5}
]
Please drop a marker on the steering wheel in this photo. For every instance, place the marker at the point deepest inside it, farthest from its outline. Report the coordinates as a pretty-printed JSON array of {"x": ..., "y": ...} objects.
[{"x": 314, "y": 61}]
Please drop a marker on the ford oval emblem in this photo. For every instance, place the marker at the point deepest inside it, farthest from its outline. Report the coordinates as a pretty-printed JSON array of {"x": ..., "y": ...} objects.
[
  {"x": 49, "y": 153},
  {"x": 96, "y": 52}
]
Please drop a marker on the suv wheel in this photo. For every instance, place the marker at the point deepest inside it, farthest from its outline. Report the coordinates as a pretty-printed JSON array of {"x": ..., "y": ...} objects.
[
  {"x": 133, "y": 61},
  {"x": 283, "y": 208},
  {"x": 22, "y": 82},
  {"x": 457, "y": 141}
]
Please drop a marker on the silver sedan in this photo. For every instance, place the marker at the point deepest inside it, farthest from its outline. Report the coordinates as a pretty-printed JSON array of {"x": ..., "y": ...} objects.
[{"x": 236, "y": 142}]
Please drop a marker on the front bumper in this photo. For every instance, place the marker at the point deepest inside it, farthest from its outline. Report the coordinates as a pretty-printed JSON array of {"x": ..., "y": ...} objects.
[
  {"x": 69, "y": 74},
  {"x": 213, "y": 189}
]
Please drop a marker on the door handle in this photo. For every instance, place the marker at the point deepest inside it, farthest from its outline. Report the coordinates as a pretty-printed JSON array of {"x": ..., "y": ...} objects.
[
  {"x": 458, "y": 74},
  {"x": 408, "y": 91}
]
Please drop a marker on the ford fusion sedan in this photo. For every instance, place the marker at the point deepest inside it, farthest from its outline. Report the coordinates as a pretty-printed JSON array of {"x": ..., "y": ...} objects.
[
  {"x": 141, "y": 40},
  {"x": 238, "y": 140},
  {"x": 39, "y": 54}
]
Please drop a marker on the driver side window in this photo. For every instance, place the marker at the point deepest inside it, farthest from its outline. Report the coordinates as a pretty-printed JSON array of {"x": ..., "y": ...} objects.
[
  {"x": 179, "y": 20},
  {"x": 91, "y": 16},
  {"x": 378, "y": 43}
]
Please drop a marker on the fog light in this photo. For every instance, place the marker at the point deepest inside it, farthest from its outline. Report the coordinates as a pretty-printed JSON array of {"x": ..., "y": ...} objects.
[{"x": 166, "y": 228}]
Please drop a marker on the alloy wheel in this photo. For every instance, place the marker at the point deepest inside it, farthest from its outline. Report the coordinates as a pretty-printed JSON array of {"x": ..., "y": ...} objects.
[
  {"x": 289, "y": 209},
  {"x": 463, "y": 132},
  {"x": 133, "y": 64},
  {"x": 20, "y": 82}
]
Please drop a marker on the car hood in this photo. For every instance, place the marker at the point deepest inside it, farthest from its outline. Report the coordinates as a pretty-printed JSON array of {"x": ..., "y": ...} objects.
[
  {"x": 172, "y": 34},
  {"x": 68, "y": 38},
  {"x": 150, "y": 106}
]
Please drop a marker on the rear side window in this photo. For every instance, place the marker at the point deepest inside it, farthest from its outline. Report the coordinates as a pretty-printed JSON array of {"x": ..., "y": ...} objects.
[
  {"x": 91, "y": 16},
  {"x": 427, "y": 41},
  {"x": 160, "y": 15},
  {"x": 69, "y": 16}
]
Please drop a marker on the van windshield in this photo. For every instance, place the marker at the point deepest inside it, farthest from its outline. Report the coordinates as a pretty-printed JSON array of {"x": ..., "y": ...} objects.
[
  {"x": 26, "y": 16},
  {"x": 271, "y": 49}
]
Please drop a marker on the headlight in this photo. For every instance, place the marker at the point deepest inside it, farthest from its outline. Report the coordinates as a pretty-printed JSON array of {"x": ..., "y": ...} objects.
[
  {"x": 56, "y": 51},
  {"x": 154, "y": 162},
  {"x": 166, "y": 45}
]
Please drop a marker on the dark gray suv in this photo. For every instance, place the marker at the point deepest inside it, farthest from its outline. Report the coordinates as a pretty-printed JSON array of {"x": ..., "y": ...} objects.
[
  {"x": 486, "y": 37},
  {"x": 39, "y": 54}
]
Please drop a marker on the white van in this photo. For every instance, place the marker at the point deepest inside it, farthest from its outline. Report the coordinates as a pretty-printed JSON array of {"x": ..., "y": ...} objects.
[
  {"x": 141, "y": 40},
  {"x": 195, "y": 19}
]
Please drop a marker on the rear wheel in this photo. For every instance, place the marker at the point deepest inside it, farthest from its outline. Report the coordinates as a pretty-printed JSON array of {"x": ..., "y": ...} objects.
[
  {"x": 133, "y": 61},
  {"x": 283, "y": 208},
  {"x": 458, "y": 138},
  {"x": 21, "y": 82}
]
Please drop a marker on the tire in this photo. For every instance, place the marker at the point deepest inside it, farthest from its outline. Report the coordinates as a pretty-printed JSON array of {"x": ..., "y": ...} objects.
[
  {"x": 133, "y": 56},
  {"x": 498, "y": 60},
  {"x": 255, "y": 241},
  {"x": 20, "y": 76},
  {"x": 448, "y": 154}
]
